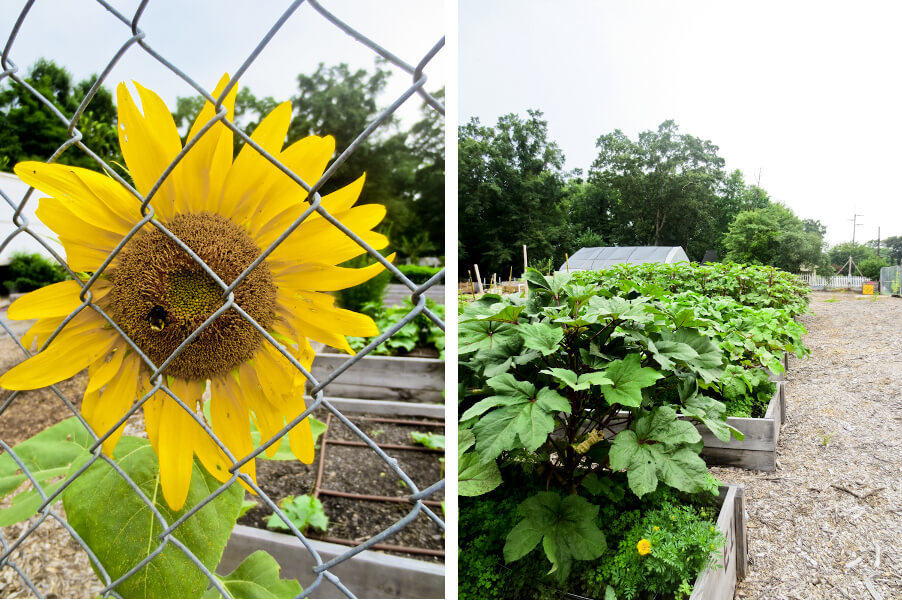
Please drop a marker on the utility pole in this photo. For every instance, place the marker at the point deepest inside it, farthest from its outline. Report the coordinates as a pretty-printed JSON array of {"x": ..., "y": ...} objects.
[
  {"x": 855, "y": 224},
  {"x": 878, "y": 242}
]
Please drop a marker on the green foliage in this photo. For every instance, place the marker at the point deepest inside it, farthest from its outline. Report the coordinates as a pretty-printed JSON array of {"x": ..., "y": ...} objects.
[
  {"x": 121, "y": 529},
  {"x": 870, "y": 267},
  {"x": 30, "y": 131},
  {"x": 682, "y": 540},
  {"x": 257, "y": 577},
  {"x": 419, "y": 273},
  {"x": 303, "y": 511},
  {"x": 29, "y": 272},
  {"x": 510, "y": 192},
  {"x": 421, "y": 332},
  {"x": 432, "y": 441},
  {"x": 677, "y": 528},
  {"x": 773, "y": 236}
]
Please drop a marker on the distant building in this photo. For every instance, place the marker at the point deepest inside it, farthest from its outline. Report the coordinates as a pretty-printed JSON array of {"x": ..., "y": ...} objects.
[
  {"x": 14, "y": 189},
  {"x": 593, "y": 259}
]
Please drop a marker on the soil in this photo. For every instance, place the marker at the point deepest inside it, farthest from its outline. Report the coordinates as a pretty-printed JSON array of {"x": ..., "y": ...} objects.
[{"x": 358, "y": 470}]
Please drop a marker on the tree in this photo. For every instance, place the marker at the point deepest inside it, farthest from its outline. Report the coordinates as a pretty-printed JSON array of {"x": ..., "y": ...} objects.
[
  {"x": 774, "y": 236},
  {"x": 511, "y": 192},
  {"x": 668, "y": 186},
  {"x": 890, "y": 248},
  {"x": 29, "y": 130},
  {"x": 840, "y": 253}
]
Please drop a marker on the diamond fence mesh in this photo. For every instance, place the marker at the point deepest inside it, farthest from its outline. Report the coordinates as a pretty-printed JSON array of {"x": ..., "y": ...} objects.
[{"x": 135, "y": 40}]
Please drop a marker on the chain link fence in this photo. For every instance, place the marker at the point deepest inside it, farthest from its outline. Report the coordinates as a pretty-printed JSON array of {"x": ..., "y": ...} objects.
[{"x": 136, "y": 40}]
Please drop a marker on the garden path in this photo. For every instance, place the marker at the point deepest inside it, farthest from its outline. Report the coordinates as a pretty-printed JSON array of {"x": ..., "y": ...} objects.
[{"x": 828, "y": 522}]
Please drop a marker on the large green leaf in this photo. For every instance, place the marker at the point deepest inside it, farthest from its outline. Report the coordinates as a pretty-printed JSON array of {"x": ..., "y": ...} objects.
[
  {"x": 122, "y": 530},
  {"x": 565, "y": 526},
  {"x": 257, "y": 577},
  {"x": 476, "y": 335},
  {"x": 542, "y": 337},
  {"x": 629, "y": 377},
  {"x": 475, "y": 477},
  {"x": 51, "y": 457}
]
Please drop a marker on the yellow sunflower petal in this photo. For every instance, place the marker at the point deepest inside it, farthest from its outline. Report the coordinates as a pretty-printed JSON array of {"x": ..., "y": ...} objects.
[
  {"x": 311, "y": 328},
  {"x": 175, "y": 450},
  {"x": 318, "y": 240},
  {"x": 201, "y": 173},
  {"x": 77, "y": 346},
  {"x": 103, "y": 410},
  {"x": 230, "y": 421},
  {"x": 69, "y": 224},
  {"x": 344, "y": 198},
  {"x": 300, "y": 437},
  {"x": 322, "y": 306},
  {"x": 67, "y": 185},
  {"x": 153, "y": 412},
  {"x": 307, "y": 158},
  {"x": 145, "y": 155},
  {"x": 102, "y": 371},
  {"x": 55, "y": 300},
  {"x": 324, "y": 277},
  {"x": 268, "y": 419}
]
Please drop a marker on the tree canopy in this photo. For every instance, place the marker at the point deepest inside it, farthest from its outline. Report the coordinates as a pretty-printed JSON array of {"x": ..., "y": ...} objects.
[
  {"x": 773, "y": 235},
  {"x": 511, "y": 191}
]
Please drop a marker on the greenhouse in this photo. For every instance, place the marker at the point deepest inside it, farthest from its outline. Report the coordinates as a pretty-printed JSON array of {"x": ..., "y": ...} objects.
[{"x": 592, "y": 259}]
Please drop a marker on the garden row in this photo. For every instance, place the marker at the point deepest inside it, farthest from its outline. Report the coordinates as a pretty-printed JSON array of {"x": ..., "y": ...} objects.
[{"x": 588, "y": 410}]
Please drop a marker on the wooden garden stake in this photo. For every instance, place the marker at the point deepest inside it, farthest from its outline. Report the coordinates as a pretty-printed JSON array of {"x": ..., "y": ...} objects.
[{"x": 478, "y": 279}]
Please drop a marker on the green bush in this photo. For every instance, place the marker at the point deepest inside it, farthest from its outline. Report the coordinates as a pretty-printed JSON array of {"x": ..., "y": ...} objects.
[
  {"x": 368, "y": 292},
  {"x": 418, "y": 273},
  {"x": 421, "y": 332},
  {"x": 29, "y": 272}
]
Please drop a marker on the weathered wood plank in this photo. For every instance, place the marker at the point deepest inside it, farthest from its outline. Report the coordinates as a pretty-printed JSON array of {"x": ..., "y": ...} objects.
[
  {"x": 396, "y": 293},
  {"x": 383, "y": 377},
  {"x": 719, "y": 584},
  {"x": 760, "y": 434}
]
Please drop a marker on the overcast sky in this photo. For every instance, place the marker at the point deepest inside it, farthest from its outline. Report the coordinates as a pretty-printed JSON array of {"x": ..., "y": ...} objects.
[
  {"x": 807, "y": 94},
  {"x": 207, "y": 38}
]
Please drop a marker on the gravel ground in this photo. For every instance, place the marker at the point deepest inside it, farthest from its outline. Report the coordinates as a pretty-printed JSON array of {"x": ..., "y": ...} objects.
[{"x": 828, "y": 522}]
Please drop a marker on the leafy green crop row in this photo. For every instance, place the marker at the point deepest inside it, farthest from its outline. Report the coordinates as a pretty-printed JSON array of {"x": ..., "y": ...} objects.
[{"x": 583, "y": 388}]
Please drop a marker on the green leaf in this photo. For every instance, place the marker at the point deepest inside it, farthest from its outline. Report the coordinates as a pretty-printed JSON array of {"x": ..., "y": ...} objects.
[
  {"x": 639, "y": 461},
  {"x": 565, "y": 376},
  {"x": 508, "y": 385},
  {"x": 122, "y": 530},
  {"x": 603, "y": 485},
  {"x": 51, "y": 457},
  {"x": 257, "y": 577},
  {"x": 662, "y": 425},
  {"x": 465, "y": 440},
  {"x": 587, "y": 380},
  {"x": 609, "y": 593},
  {"x": 497, "y": 432},
  {"x": 710, "y": 361},
  {"x": 508, "y": 314},
  {"x": 476, "y": 335},
  {"x": 475, "y": 477},
  {"x": 542, "y": 337},
  {"x": 628, "y": 379},
  {"x": 433, "y": 441},
  {"x": 565, "y": 526},
  {"x": 552, "y": 402},
  {"x": 303, "y": 511}
]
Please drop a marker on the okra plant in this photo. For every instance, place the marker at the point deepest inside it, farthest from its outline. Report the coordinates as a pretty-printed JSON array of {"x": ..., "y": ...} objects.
[{"x": 575, "y": 383}]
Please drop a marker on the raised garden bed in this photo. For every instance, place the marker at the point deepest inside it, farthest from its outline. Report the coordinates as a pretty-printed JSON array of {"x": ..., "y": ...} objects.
[
  {"x": 719, "y": 584},
  {"x": 759, "y": 448},
  {"x": 362, "y": 497},
  {"x": 384, "y": 377}
]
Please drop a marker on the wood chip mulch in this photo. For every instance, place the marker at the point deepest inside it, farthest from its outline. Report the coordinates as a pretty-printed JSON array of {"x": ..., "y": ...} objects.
[{"x": 828, "y": 522}]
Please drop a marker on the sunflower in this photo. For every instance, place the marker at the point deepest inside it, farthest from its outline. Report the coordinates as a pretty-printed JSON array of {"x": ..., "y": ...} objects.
[{"x": 227, "y": 212}]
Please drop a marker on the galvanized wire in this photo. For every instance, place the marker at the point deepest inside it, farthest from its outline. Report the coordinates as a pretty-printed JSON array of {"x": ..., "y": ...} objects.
[{"x": 138, "y": 41}]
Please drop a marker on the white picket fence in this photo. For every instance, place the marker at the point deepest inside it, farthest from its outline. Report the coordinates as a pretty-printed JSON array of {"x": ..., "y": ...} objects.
[{"x": 837, "y": 282}]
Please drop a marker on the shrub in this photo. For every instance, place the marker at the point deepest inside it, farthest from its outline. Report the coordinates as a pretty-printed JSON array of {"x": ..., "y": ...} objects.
[
  {"x": 419, "y": 273},
  {"x": 29, "y": 272}
]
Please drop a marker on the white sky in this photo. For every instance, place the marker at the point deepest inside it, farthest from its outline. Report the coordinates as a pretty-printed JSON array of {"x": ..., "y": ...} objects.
[
  {"x": 208, "y": 38},
  {"x": 809, "y": 93}
]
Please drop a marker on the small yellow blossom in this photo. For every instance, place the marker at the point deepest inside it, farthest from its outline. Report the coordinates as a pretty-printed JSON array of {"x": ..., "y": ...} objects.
[
  {"x": 657, "y": 528},
  {"x": 644, "y": 547}
]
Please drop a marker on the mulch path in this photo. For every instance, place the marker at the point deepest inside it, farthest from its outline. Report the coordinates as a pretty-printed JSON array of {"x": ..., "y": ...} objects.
[{"x": 828, "y": 522}]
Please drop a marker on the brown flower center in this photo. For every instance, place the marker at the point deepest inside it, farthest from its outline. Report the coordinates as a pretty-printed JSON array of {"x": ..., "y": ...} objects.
[{"x": 161, "y": 295}]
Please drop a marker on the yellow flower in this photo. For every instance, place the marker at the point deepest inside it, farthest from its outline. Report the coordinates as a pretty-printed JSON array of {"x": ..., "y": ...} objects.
[
  {"x": 657, "y": 528},
  {"x": 228, "y": 212},
  {"x": 644, "y": 547}
]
